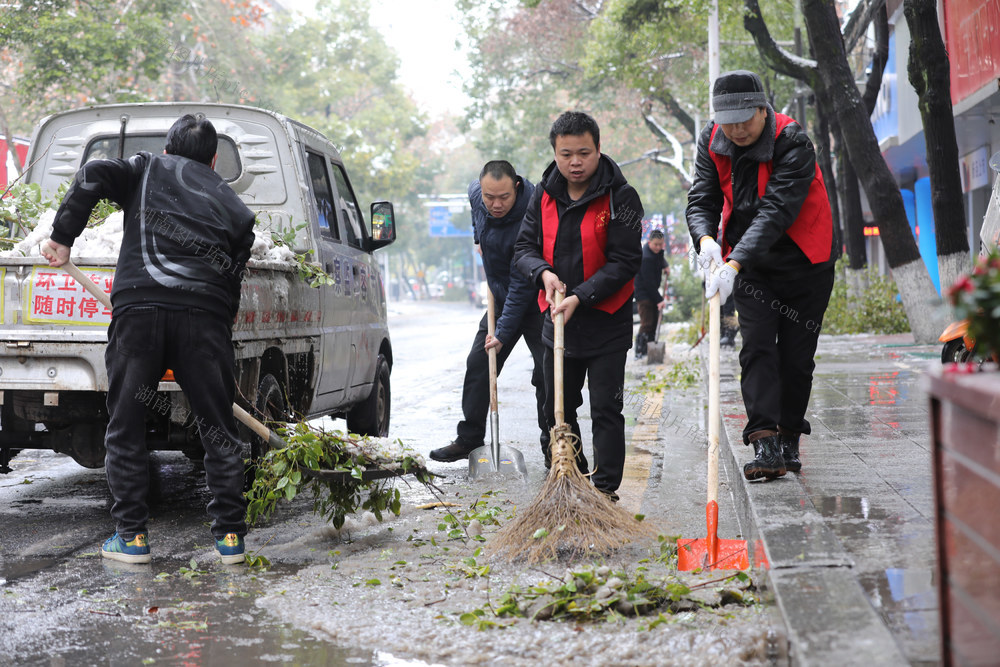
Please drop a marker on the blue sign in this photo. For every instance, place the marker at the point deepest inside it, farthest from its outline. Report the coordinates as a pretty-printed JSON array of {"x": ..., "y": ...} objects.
[{"x": 441, "y": 225}]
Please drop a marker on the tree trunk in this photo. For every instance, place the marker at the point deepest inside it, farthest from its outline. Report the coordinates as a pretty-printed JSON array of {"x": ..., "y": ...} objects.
[
  {"x": 930, "y": 77},
  {"x": 823, "y": 153},
  {"x": 852, "y": 215},
  {"x": 839, "y": 93}
]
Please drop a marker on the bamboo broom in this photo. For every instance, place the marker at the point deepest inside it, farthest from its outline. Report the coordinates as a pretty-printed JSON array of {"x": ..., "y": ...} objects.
[{"x": 569, "y": 516}]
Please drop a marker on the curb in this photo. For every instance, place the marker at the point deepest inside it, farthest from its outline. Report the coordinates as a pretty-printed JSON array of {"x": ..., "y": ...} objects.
[{"x": 798, "y": 559}]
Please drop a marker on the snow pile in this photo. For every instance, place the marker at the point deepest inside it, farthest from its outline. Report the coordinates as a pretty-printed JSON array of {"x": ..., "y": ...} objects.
[
  {"x": 264, "y": 249},
  {"x": 384, "y": 452},
  {"x": 105, "y": 240}
]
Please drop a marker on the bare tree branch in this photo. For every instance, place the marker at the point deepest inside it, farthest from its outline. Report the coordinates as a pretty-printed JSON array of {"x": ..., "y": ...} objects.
[
  {"x": 673, "y": 107},
  {"x": 879, "y": 59},
  {"x": 774, "y": 56},
  {"x": 675, "y": 161},
  {"x": 857, "y": 25},
  {"x": 587, "y": 11}
]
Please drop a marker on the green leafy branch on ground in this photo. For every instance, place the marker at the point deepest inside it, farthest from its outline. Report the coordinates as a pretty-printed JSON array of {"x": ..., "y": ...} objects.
[
  {"x": 592, "y": 593},
  {"x": 681, "y": 375},
  {"x": 470, "y": 522},
  {"x": 284, "y": 473}
]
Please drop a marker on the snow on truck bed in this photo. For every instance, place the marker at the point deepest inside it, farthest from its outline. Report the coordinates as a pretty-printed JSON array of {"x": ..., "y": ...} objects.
[{"x": 105, "y": 239}]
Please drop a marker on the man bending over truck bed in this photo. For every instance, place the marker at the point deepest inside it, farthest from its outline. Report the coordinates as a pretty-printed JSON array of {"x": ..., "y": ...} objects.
[{"x": 176, "y": 291}]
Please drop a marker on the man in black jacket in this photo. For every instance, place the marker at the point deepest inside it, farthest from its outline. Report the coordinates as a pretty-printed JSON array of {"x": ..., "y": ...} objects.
[
  {"x": 498, "y": 200},
  {"x": 187, "y": 238},
  {"x": 758, "y": 191},
  {"x": 648, "y": 299},
  {"x": 581, "y": 237}
]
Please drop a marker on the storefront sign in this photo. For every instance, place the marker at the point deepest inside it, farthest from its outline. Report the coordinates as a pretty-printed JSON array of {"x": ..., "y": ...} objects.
[{"x": 975, "y": 170}]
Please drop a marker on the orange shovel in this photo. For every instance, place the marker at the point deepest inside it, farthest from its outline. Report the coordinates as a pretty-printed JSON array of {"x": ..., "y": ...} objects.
[{"x": 711, "y": 553}]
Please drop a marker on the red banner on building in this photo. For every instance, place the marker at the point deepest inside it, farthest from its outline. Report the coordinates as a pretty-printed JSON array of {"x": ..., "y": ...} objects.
[
  {"x": 972, "y": 33},
  {"x": 7, "y": 172}
]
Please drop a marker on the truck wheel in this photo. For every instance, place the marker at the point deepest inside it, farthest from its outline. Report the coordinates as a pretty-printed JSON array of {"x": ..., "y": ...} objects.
[
  {"x": 270, "y": 406},
  {"x": 372, "y": 416}
]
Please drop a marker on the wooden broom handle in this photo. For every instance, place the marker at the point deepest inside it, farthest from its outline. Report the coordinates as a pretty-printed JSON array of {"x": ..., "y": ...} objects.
[
  {"x": 88, "y": 284},
  {"x": 714, "y": 312},
  {"x": 558, "y": 348},
  {"x": 491, "y": 326}
]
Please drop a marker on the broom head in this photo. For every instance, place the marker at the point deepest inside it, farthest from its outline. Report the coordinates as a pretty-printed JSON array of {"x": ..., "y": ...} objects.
[{"x": 568, "y": 516}]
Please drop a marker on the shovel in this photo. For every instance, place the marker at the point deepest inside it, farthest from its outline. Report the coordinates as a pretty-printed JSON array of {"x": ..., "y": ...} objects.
[
  {"x": 273, "y": 440},
  {"x": 495, "y": 458},
  {"x": 711, "y": 553}
]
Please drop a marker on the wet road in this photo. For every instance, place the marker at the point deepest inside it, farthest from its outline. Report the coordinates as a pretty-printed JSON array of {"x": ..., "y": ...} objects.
[{"x": 60, "y": 603}]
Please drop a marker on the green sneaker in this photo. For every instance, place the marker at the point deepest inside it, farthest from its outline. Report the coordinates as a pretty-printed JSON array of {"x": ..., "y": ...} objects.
[
  {"x": 135, "y": 550},
  {"x": 231, "y": 550}
]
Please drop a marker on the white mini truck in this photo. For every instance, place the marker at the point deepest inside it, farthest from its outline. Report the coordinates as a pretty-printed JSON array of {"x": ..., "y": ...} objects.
[{"x": 301, "y": 352}]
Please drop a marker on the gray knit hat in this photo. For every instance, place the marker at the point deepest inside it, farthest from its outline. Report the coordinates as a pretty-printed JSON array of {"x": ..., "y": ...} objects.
[{"x": 736, "y": 96}]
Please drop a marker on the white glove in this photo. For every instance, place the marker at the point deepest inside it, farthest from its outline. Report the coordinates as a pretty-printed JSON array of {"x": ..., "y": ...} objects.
[
  {"x": 710, "y": 252},
  {"x": 721, "y": 281}
]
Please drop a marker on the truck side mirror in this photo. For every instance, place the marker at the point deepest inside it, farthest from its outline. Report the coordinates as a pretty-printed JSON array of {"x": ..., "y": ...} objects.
[{"x": 383, "y": 225}]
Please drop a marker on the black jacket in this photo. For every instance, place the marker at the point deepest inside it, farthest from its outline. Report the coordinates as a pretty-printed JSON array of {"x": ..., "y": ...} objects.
[
  {"x": 590, "y": 332},
  {"x": 187, "y": 236},
  {"x": 756, "y": 229},
  {"x": 647, "y": 281},
  {"x": 512, "y": 292}
]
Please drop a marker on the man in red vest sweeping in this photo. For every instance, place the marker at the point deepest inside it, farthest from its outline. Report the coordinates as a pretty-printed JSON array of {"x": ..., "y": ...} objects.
[
  {"x": 758, "y": 212},
  {"x": 581, "y": 236}
]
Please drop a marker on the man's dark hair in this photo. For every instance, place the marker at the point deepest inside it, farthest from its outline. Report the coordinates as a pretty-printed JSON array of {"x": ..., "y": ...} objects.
[
  {"x": 193, "y": 137},
  {"x": 655, "y": 234},
  {"x": 499, "y": 169},
  {"x": 575, "y": 123}
]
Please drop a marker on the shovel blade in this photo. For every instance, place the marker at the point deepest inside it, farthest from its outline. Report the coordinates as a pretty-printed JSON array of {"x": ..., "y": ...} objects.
[
  {"x": 510, "y": 462},
  {"x": 695, "y": 554}
]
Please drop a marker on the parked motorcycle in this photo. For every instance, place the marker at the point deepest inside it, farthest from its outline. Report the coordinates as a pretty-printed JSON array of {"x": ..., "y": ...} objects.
[{"x": 959, "y": 346}]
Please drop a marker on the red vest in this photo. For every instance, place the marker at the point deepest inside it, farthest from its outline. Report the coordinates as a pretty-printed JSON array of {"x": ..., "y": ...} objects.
[
  {"x": 593, "y": 237},
  {"x": 812, "y": 230}
]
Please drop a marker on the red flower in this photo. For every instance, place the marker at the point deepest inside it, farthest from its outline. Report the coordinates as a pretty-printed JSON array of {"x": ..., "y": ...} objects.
[{"x": 963, "y": 284}]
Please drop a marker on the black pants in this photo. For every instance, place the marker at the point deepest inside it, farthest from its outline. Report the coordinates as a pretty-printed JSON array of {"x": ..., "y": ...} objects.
[
  {"x": 780, "y": 321},
  {"x": 727, "y": 313},
  {"x": 143, "y": 342},
  {"x": 476, "y": 390},
  {"x": 605, "y": 375},
  {"x": 648, "y": 312}
]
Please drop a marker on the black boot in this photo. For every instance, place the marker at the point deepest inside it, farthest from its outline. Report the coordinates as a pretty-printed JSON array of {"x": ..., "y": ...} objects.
[
  {"x": 768, "y": 461},
  {"x": 790, "y": 451},
  {"x": 727, "y": 337},
  {"x": 456, "y": 451},
  {"x": 641, "y": 341}
]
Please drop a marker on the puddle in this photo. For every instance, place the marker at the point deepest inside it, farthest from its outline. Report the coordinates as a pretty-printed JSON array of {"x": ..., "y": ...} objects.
[
  {"x": 857, "y": 507},
  {"x": 905, "y": 597},
  {"x": 11, "y": 570},
  {"x": 122, "y": 614}
]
